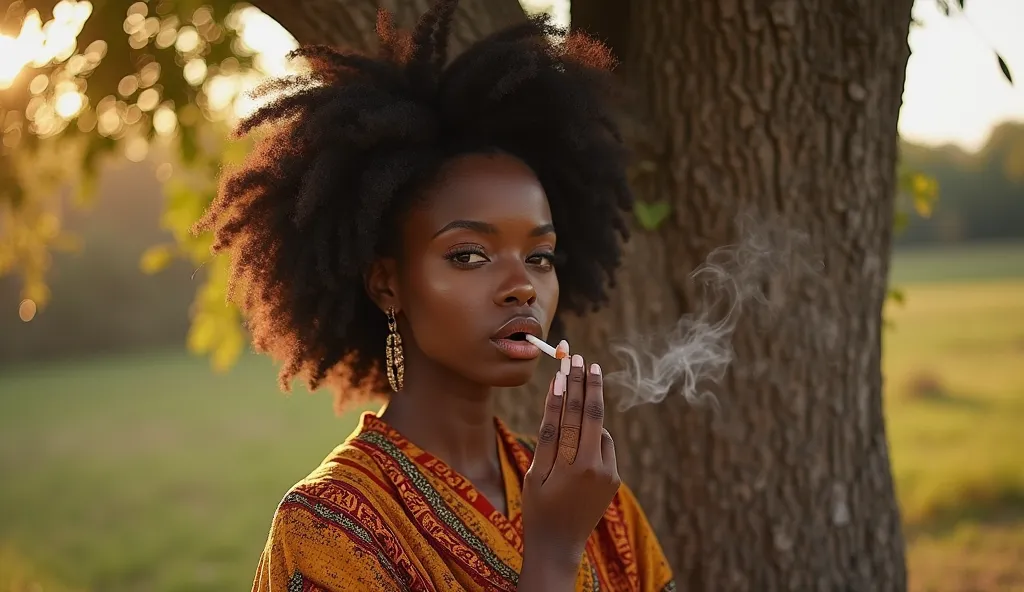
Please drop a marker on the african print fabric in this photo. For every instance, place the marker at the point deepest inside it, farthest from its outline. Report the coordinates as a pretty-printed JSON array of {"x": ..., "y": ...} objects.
[{"x": 382, "y": 514}]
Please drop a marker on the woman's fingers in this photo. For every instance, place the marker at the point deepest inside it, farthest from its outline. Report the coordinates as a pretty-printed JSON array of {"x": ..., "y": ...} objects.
[
  {"x": 547, "y": 438},
  {"x": 572, "y": 416},
  {"x": 608, "y": 452},
  {"x": 593, "y": 416}
]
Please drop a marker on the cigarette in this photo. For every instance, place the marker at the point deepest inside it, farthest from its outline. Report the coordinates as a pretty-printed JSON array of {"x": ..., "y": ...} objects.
[{"x": 555, "y": 352}]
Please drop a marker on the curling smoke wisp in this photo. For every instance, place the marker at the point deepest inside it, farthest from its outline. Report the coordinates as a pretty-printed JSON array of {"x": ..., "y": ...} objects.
[{"x": 751, "y": 277}]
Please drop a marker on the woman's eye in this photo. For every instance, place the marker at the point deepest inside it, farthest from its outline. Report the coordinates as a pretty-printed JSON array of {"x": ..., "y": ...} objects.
[
  {"x": 469, "y": 258},
  {"x": 543, "y": 260}
]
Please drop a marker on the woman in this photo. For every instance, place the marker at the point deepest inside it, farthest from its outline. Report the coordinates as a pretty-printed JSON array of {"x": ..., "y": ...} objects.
[{"x": 397, "y": 230}]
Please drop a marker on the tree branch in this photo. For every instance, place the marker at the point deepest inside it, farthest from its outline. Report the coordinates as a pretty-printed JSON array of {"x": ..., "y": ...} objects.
[{"x": 351, "y": 22}]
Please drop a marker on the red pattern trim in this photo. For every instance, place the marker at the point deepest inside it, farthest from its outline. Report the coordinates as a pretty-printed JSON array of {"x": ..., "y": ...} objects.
[
  {"x": 610, "y": 541},
  {"x": 441, "y": 536},
  {"x": 346, "y": 500},
  {"x": 469, "y": 494},
  {"x": 364, "y": 470}
]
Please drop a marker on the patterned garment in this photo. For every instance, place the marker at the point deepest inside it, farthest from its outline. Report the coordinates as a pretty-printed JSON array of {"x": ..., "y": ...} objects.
[{"x": 382, "y": 514}]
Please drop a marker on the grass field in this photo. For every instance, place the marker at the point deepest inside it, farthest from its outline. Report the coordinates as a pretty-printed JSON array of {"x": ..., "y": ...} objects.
[
  {"x": 983, "y": 261},
  {"x": 146, "y": 472}
]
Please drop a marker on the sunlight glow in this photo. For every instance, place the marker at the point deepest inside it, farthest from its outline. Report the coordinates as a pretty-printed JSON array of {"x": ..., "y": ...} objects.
[
  {"x": 69, "y": 103},
  {"x": 27, "y": 310},
  {"x": 38, "y": 44}
]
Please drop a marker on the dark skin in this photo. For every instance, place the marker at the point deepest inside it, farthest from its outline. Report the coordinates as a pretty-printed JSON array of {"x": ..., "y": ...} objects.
[
  {"x": 452, "y": 288},
  {"x": 477, "y": 250}
]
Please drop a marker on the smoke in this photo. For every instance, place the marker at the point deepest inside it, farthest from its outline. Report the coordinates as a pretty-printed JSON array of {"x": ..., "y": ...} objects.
[{"x": 748, "y": 278}]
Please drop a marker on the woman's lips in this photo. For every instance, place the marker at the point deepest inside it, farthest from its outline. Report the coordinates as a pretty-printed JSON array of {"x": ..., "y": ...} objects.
[{"x": 517, "y": 350}]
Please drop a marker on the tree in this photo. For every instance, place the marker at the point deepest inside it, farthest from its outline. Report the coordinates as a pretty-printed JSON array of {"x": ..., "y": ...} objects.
[
  {"x": 792, "y": 111},
  {"x": 787, "y": 111}
]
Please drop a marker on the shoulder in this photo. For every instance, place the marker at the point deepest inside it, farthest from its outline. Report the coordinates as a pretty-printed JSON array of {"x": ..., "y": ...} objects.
[
  {"x": 346, "y": 480},
  {"x": 346, "y": 492},
  {"x": 340, "y": 512}
]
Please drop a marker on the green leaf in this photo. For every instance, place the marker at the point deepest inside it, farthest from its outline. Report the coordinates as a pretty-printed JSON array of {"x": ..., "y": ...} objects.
[
  {"x": 651, "y": 214},
  {"x": 924, "y": 190},
  {"x": 961, "y": 3},
  {"x": 1005, "y": 68},
  {"x": 156, "y": 258}
]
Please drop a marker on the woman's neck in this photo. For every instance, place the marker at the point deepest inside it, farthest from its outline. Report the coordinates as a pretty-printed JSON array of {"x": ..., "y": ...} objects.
[{"x": 446, "y": 415}]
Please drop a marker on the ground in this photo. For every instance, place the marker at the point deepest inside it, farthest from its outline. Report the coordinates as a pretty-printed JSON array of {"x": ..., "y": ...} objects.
[{"x": 147, "y": 472}]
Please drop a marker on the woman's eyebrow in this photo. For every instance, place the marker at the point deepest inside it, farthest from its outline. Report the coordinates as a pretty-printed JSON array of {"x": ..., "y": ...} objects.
[
  {"x": 486, "y": 228},
  {"x": 543, "y": 229},
  {"x": 474, "y": 225}
]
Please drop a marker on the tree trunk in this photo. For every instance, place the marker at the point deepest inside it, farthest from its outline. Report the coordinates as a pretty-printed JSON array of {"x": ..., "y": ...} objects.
[{"x": 785, "y": 109}]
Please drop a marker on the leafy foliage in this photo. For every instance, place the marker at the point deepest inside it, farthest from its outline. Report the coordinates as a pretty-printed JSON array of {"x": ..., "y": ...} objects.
[
  {"x": 650, "y": 215},
  {"x": 915, "y": 192},
  {"x": 84, "y": 82},
  {"x": 216, "y": 328}
]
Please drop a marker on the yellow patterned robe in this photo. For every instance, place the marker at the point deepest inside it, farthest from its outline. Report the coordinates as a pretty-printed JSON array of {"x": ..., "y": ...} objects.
[{"x": 382, "y": 514}]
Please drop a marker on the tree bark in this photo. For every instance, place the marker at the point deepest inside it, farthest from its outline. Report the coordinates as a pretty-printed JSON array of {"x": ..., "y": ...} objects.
[{"x": 785, "y": 108}]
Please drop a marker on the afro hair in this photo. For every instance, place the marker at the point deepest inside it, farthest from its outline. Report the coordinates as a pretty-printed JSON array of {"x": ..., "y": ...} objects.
[{"x": 352, "y": 140}]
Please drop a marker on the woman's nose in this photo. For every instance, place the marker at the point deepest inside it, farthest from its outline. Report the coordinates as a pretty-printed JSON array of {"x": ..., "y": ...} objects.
[{"x": 517, "y": 289}]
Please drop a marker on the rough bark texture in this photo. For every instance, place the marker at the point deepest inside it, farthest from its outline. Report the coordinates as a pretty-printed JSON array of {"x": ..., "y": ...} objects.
[{"x": 785, "y": 107}]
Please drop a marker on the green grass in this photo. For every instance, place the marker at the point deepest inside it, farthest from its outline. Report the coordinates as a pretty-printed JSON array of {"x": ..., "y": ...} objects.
[
  {"x": 148, "y": 472},
  {"x": 996, "y": 260},
  {"x": 955, "y": 411}
]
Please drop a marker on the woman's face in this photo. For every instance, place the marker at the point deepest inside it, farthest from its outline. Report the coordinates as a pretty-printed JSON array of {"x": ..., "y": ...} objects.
[{"x": 477, "y": 270}]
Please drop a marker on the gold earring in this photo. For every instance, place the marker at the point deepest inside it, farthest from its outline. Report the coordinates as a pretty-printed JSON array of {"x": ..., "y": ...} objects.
[{"x": 395, "y": 359}]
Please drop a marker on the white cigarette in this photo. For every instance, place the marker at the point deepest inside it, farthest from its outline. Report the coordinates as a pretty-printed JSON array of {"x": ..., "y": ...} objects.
[{"x": 554, "y": 352}]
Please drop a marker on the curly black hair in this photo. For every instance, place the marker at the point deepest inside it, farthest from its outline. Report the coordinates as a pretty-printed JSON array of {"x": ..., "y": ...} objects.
[{"x": 356, "y": 137}]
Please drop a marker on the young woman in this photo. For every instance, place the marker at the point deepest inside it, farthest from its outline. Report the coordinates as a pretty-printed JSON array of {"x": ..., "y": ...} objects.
[{"x": 396, "y": 231}]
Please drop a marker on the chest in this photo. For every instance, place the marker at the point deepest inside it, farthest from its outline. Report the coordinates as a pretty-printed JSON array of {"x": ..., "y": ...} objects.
[{"x": 494, "y": 493}]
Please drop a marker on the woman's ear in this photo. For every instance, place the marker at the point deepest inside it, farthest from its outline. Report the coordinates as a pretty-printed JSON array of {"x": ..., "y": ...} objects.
[{"x": 381, "y": 283}]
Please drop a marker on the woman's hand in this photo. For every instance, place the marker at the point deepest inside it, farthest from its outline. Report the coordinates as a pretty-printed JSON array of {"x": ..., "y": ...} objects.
[{"x": 573, "y": 477}]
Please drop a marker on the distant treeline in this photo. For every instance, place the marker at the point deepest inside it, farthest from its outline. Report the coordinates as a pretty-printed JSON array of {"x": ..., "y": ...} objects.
[
  {"x": 981, "y": 195},
  {"x": 102, "y": 302}
]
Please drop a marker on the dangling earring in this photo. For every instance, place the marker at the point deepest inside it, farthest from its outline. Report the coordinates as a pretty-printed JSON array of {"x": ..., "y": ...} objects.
[{"x": 395, "y": 359}]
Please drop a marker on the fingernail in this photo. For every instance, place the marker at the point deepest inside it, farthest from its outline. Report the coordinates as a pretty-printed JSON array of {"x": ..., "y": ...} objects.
[
  {"x": 595, "y": 370},
  {"x": 577, "y": 361},
  {"x": 564, "y": 365},
  {"x": 559, "y": 384}
]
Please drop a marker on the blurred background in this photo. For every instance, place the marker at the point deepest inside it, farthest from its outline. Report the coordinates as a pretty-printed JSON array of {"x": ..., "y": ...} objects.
[{"x": 142, "y": 448}]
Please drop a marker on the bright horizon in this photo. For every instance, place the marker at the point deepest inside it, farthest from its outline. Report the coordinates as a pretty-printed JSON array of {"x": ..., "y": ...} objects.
[{"x": 954, "y": 91}]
